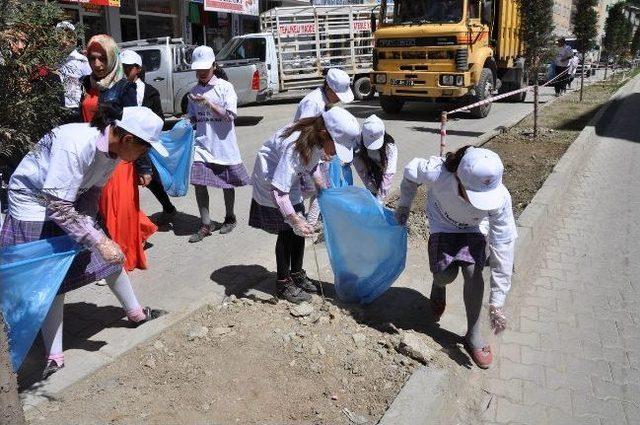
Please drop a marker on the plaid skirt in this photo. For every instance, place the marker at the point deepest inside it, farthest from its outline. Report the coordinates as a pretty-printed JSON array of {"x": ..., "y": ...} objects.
[
  {"x": 448, "y": 248},
  {"x": 269, "y": 219},
  {"x": 87, "y": 267},
  {"x": 219, "y": 176}
]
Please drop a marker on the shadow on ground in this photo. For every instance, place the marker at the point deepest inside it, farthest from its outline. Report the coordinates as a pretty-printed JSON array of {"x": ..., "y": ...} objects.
[
  {"x": 182, "y": 224},
  {"x": 615, "y": 121},
  {"x": 398, "y": 308}
]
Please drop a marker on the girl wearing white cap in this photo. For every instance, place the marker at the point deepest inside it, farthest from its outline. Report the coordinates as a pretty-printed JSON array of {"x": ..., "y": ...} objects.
[
  {"x": 55, "y": 191},
  {"x": 377, "y": 159},
  {"x": 217, "y": 162},
  {"x": 465, "y": 189},
  {"x": 336, "y": 88},
  {"x": 277, "y": 207}
]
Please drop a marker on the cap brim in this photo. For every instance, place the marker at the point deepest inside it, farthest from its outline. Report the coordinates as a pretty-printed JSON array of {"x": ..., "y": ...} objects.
[
  {"x": 376, "y": 144},
  {"x": 488, "y": 200},
  {"x": 130, "y": 63},
  {"x": 202, "y": 65},
  {"x": 345, "y": 97},
  {"x": 159, "y": 147},
  {"x": 344, "y": 153}
]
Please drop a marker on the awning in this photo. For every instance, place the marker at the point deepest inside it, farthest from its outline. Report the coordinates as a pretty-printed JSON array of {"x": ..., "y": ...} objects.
[{"x": 112, "y": 3}]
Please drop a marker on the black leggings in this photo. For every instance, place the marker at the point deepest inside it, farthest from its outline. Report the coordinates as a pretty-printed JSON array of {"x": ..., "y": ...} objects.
[
  {"x": 289, "y": 253},
  {"x": 156, "y": 187}
]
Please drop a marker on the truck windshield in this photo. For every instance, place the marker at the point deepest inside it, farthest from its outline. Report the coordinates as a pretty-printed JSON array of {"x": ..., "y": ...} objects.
[
  {"x": 429, "y": 11},
  {"x": 244, "y": 49}
]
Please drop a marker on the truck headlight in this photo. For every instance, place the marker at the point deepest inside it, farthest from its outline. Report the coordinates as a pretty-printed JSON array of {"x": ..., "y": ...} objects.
[
  {"x": 381, "y": 78},
  {"x": 447, "y": 80},
  {"x": 459, "y": 80}
]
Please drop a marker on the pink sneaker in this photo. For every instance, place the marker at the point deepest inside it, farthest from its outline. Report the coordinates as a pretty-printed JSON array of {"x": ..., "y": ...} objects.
[{"x": 482, "y": 357}]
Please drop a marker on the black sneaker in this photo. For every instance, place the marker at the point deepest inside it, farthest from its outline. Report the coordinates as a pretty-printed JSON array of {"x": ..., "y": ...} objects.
[
  {"x": 287, "y": 290},
  {"x": 303, "y": 282},
  {"x": 228, "y": 225},
  {"x": 150, "y": 313},
  {"x": 51, "y": 368},
  {"x": 203, "y": 232}
]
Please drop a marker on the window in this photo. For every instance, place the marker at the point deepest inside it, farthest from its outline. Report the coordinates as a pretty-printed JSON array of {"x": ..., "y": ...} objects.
[
  {"x": 151, "y": 59},
  {"x": 129, "y": 29},
  {"x": 93, "y": 25},
  {"x": 127, "y": 7},
  {"x": 167, "y": 7},
  {"x": 249, "y": 48},
  {"x": 158, "y": 26}
]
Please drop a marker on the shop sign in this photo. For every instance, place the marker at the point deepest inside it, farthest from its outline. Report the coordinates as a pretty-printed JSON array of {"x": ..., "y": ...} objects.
[
  {"x": 112, "y": 3},
  {"x": 242, "y": 7},
  {"x": 292, "y": 30}
]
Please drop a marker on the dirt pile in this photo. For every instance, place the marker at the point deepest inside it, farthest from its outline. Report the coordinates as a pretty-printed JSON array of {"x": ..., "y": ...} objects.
[{"x": 250, "y": 361}]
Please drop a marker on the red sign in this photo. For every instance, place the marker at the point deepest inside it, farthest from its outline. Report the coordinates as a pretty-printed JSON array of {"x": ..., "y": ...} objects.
[
  {"x": 291, "y": 30},
  {"x": 112, "y": 3}
]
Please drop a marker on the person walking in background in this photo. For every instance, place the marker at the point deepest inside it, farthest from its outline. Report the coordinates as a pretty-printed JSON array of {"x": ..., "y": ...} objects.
[
  {"x": 465, "y": 189},
  {"x": 277, "y": 202},
  {"x": 377, "y": 159},
  {"x": 72, "y": 71},
  {"x": 148, "y": 96},
  {"x": 563, "y": 56},
  {"x": 55, "y": 191},
  {"x": 213, "y": 107},
  {"x": 120, "y": 201},
  {"x": 573, "y": 67}
]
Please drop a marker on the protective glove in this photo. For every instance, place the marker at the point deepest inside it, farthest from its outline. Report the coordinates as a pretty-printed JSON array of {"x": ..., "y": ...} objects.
[
  {"x": 402, "y": 215},
  {"x": 110, "y": 251},
  {"x": 299, "y": 225},
  {"x": 498, "y": 319}
]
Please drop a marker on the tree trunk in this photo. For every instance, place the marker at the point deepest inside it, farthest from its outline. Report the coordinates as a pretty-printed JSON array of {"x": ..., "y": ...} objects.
[
  {"x": 10, "y": 407},
  {"x": 535, "y": 108},
  {"x": 606, "y": 69},
  {"x": 582, "y": 77}
]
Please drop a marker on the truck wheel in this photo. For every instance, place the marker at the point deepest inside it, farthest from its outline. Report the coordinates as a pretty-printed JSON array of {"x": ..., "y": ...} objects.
[
  {"x": 483, "y": 91},
  {"x": 362, "y": 89},
  {"x": 391, "y": 105}
]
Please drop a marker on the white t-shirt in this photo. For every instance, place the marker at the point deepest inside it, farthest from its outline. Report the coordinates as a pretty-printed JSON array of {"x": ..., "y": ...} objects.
[
  {"x": 215, "y": 136},
  {"x": 139, "y": 91},
  {"x": 76, "y": 67},
  {"x": 573, "y": 65},
  {"x": 312, "y": 105},
  {"x": 448, "y": 212},
  {"x": 279, "y": 166},
  {"x": 70, "y": 160}
]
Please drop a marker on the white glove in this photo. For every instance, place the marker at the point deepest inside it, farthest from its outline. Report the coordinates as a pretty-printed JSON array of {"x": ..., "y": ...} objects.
[
  {"x": 110, "y": 251},
  {"x": 300, "y": 225},
  {"x": 498, "y": 319},
  {"x": 402, "y": 215}
]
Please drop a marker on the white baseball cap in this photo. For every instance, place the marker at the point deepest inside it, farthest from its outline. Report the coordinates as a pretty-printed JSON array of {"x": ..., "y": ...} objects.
[
  {"x": 480, "y": 172},
  {"x": 202, "y": 58},
  {"x": 373, "y": 132},
  {"x": 344, "y": 130},
  {"x": 142, "y": 122},
  {"x": 65, "y": 25},
  {"x": 340, "y": 83},
  {"x": 129, "y": 57}
]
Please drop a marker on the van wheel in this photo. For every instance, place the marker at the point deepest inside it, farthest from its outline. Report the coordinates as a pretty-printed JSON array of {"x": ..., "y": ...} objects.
[
  {"x": 483, "y": 91},
  {"x": 391, "y": 104},
  {"x": 362, "y": 89}
]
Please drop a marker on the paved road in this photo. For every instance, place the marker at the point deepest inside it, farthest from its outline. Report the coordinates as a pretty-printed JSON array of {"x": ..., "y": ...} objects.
[
  {"x": 574, "y": 354},
  {"x": 183, "y": 276}
]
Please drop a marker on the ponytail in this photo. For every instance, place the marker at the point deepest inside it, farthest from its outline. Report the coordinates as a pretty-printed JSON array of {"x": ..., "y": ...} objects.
[
  {"x": 452, "y": 159},
  {"x": 309, "y": 129}
]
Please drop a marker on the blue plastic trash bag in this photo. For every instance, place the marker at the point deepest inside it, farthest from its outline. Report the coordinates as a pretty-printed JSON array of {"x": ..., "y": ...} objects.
[
  {"x": 30, "y": 276},
  {"x": 367, "y": 247},
  {"x": 175, "y": 170},
  {"x": 339, "y": 175}
]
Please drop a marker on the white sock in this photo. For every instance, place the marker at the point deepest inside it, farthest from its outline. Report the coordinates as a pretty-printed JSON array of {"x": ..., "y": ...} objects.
[
  {"x": 121, "y": 287},
  {"x": 52, "y": 330}
]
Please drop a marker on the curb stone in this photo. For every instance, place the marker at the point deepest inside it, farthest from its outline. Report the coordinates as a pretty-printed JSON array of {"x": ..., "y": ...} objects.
[{"x": 428, "y": 393}]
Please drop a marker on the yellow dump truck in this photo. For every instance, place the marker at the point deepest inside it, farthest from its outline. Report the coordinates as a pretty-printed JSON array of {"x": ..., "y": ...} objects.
[{"x": 447, "y": 51}]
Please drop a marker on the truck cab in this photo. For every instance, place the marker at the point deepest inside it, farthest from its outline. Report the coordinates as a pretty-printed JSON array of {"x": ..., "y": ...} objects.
[{"x": 446, "y": 50}]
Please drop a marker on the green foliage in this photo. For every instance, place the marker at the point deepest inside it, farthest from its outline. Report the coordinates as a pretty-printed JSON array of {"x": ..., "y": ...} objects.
[
  {"x": 537, "y": 31},
  {"x": 585, "y": 23},
  {"x": 635, "y": 43},
  {"x": 31, "y": 98},
  {"x": 617, "y": 29}
]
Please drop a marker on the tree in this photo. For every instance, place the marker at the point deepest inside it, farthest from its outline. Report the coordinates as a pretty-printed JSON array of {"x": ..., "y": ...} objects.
[
  {"x": 536, "y": 32},
  {"x": 635, "y": 44},
  {"x": 617, "y": 33},
  {"x": 31, "y": 99},
  {"x": 585, "y": 29},
  {"x": 10, "y": 406}
]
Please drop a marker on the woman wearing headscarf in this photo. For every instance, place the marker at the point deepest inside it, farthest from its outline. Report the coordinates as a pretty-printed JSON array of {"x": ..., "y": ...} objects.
[{"x": 120, "y": 202}]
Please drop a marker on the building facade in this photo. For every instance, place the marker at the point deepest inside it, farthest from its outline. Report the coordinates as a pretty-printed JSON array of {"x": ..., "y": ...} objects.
[
  {"x": 192, "y": 20},
  {"x": 562, "y": 12}
]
